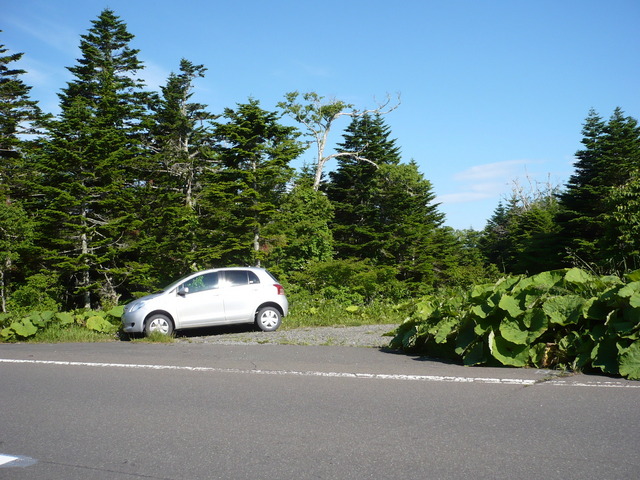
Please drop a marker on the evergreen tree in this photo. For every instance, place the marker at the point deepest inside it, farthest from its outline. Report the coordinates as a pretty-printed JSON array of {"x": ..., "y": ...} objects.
[
  {"x": 410, "y": 223},
  {"x": 384, "y": 210},
  {"x": 495, "y": 242},
  {"x": 521, "y": 237},
  {"x": 254, "y": 151},
  {"x": 610, "y": 155},
  {"x": 358, "y": 226},
  {"x": 87, "y": 199},
  {"x": 622, "y": 237},
  {"x": 20, "y": 120},
  {"x": 179, "y": 144}
]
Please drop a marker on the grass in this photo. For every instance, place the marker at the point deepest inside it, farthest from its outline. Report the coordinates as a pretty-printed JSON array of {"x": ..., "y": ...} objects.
[
  {"x": 70, "y": 334},
  {"x": 155, "y": 337},
  {"x": 309, "y": 312}
]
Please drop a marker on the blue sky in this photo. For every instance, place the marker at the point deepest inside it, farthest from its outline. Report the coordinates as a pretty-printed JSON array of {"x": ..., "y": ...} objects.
[{"x": 493, "y": 93}]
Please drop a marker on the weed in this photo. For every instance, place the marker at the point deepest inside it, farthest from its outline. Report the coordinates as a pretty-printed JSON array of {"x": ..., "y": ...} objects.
[
  {"x": 69, "y": 334},
  {"x": 155, "y": 337}
]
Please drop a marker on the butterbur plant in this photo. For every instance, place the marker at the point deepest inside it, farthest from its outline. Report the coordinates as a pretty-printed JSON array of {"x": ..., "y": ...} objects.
[
  {"x": 558, "y": 319},
  {"x": 28, "y": 326}
]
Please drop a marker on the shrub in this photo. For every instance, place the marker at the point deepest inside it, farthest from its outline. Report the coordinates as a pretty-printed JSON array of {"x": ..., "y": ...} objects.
[{"x": 564, "y": 318}]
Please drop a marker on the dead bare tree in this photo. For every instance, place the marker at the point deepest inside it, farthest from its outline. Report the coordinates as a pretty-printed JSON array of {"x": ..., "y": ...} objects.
[{"x": 318, "y": 116}]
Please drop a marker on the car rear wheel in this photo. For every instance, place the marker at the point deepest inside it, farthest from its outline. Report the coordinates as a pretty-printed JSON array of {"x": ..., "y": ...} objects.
[
  {"x": 268, "y": 319},
  {"x": 158, "y": 323}
]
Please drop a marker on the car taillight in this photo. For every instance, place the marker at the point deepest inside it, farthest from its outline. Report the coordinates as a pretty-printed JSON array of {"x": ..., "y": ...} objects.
[{"x": 280, "y": 288}]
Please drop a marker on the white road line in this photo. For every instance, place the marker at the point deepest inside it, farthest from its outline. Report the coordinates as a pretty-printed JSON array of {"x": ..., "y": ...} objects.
[
  {"x": 376, "y": 376},
  {"x": 7, "y": 459}
]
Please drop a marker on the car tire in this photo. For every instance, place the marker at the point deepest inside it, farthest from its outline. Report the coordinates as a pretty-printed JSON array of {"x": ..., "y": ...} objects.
[
  {"x": 158, "y": 323},
  {"x": 268, "y": 319}
]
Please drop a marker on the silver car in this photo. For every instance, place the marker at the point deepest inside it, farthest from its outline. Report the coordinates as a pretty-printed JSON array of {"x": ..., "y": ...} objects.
[{"x": 221, "y": 296}]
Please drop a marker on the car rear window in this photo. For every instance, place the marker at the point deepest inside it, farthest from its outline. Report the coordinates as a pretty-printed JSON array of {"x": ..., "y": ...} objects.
[{"x": 236, "y": 278}]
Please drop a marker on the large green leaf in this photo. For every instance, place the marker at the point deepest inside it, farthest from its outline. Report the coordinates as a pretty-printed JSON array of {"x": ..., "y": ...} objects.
[
  {"x": 605, "y": 355},
  {"x": 633, "y": 276},
  {"x": 630, "y": 361},
  {"x": 7, "y": 333},
  {"x": 475, "y": 355},
  {"x": 24, "y": 328},
  {"x": 100, "y": 324},
  {"x": 65, "y": 318},
  {"x": 425, "y": 308},
  {"x": 40, "y": 319},
  {"x": 508, "y": 353},
  {"x": 482, "y": 311},
  {"x": 444, "y": 328},
  {"x": 564, "y": 310},
  {"x": 595, "y": 309},
  {"x": 466, "y": 336},
  {"x": 544, "y": 281},
  {"x": 577, "y": 276},
  {"x": 629, "y": 290},
  {"x": 116, "y": 311},
  {"x": 625, "y": 322},
  {"x": 510, "y": 305},
  {"x": 513, "y": 331}
]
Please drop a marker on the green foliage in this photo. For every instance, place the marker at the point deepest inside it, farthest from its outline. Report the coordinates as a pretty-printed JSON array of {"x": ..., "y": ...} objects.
[
  {"x": 564, "y": 318},
  {"x": 84, "y": 192},
  {"x": 299, "y": 233},
  {"x": 31, "y": 326},
  {"x": 243, "y": 196},
  {"x": 595, "y": 194},
  {"x": 307, "y": 310},
  {"x": 522, "y": 237},
  {"x": 41, "y": 289},
  {"x": 349, "y": 281}
]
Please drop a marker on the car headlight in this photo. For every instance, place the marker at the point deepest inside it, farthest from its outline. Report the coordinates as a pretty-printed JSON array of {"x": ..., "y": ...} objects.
[{"x": 136, "y": 306}]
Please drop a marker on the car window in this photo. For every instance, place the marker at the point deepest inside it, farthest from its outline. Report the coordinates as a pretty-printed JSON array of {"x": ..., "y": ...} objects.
[
  {"x": 236, "y": 278},
  {"x": 207, "y": 281}
]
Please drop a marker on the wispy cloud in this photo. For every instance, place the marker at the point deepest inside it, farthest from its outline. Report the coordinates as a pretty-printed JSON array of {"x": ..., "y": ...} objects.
[
  {"x": 53, "y": 34},
  {"x": 489, "y": 180},
  {"x": 491, "y": 170},
  {"x": 154, "y": 75}
]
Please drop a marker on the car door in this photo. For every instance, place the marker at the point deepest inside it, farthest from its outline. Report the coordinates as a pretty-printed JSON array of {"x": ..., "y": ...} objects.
[
  {"x": 241, "y": 295},
  {"x": 199, "y": 301}
]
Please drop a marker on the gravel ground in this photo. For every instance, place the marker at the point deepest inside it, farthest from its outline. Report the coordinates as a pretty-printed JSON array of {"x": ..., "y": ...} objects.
[{"x": 361, "y": 336}]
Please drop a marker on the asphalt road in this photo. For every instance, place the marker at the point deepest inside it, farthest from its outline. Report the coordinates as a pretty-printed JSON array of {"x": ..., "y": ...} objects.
[{"x": 192, "y": 411}]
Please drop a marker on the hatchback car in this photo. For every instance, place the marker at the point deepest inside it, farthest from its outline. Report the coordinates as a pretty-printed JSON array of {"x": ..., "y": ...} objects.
[{"x": 220, "y": 296}]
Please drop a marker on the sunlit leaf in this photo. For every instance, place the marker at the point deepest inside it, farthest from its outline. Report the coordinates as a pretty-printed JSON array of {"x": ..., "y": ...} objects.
[
  {"x": 100, "y": 324},
  {"x": 564, "y": 310},
  {"x": 508, "y": 353},
  {"x": 577, "y": 275},
  {"x": 630, "y": 362},
  {"x": 24, "y": 328},
  {"x": 510, "y": 305}
]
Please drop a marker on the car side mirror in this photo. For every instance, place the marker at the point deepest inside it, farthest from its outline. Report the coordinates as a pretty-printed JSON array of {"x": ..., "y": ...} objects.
[{"x": 182, "y": 291}]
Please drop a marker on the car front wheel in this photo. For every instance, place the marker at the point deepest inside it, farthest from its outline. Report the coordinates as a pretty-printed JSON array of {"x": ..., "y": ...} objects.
[
  {"x": 158, "y": 323},
  {"x": 268, "y": 319}
]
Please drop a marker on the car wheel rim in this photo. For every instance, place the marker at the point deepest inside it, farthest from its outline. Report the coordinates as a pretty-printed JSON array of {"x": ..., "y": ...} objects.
[
  {"x": 159, "y": 325},
  {"x": 269, "y": 319}
]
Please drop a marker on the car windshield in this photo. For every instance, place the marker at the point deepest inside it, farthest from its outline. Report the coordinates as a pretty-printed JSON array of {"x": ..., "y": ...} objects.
[{"x": 173, "y": 285}]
